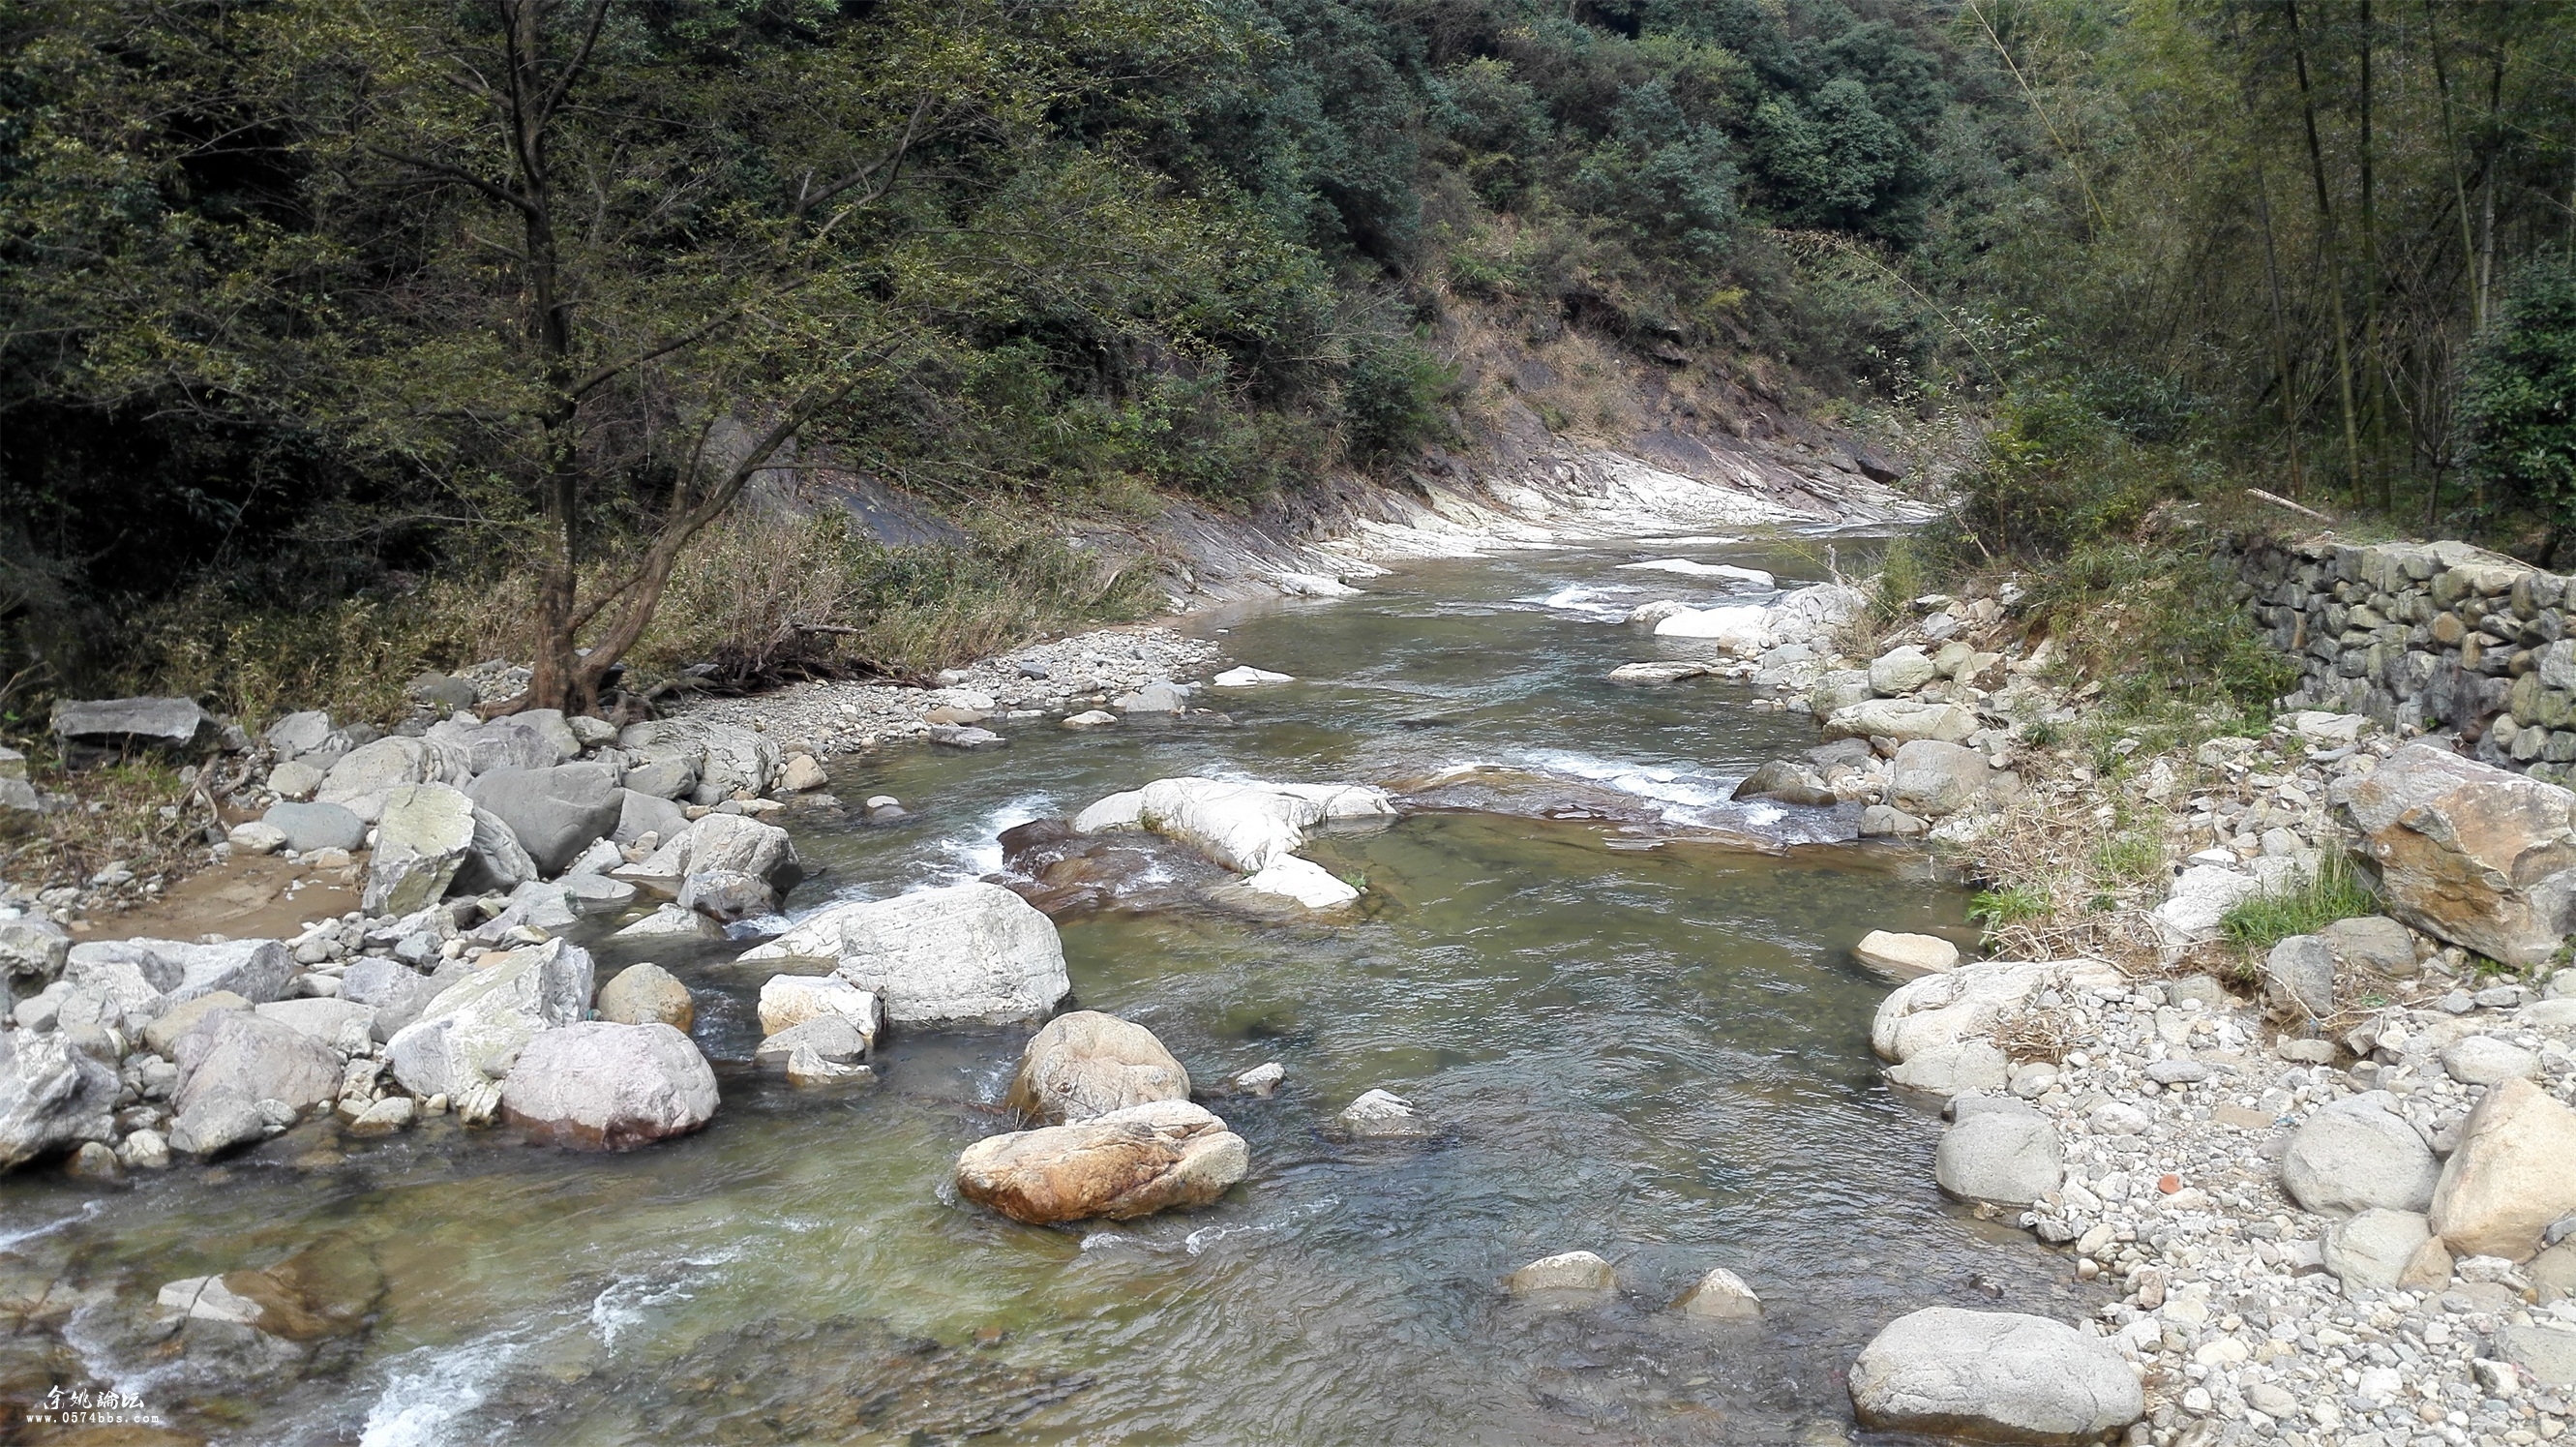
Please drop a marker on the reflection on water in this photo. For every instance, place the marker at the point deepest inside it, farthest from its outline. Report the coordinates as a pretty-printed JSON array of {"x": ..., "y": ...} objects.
[{"x": 1657, "y": 1053}]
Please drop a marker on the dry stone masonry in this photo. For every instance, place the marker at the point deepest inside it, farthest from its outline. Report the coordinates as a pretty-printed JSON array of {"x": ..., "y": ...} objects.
[{"x": 2428, "y": 636}]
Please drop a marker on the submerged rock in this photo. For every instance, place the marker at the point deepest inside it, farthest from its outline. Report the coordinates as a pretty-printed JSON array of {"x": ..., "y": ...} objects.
[
  {"x": 1382, "y": 1115},
  {"x": 1721, "y": 1295},
  {"x": 1128, "y": 1163},
  {"x": 1571, "y": 1271}
]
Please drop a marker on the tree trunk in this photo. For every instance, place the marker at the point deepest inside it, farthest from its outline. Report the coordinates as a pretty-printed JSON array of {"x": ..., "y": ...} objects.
[{"x": 2331, "y": 244}]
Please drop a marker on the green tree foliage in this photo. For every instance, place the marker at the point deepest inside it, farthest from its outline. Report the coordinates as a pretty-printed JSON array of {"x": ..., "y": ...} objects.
[
  {"x": 2521, "y": 401},
  {"x": 301, "y": 300}
]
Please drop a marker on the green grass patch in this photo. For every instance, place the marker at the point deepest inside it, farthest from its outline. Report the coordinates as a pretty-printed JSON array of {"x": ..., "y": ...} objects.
[
  {"x": 2014, "y": 905},
  {"x": 2335, "y": 893}
]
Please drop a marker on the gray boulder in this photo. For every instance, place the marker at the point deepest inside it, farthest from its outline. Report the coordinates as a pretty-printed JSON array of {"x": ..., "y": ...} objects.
[
  {"x": 32, "y": 951},
  {"x": 666, "y": 777},
  {"x": 421, "y": 843},
  {"x": 52, "y": 1097},
  {"x": 2008, "y": 1159},
  {"x": 113, "y": 721},
  {"x": 595, "y": 1085},
  {"x": 727, "y": 894},
  {"x": 344, "y": 1025},
  {"x": 1993, "y": 1376},
  {"x": 2373, "y": 942},
  {"x": 553, "y": 813},
  {"x": 1901, "y": 719},
  {"x": 730, "y": 842},
  {"x": 1962, "y": 1067},
  {"x": 2372, "y": 1251},
  {"x": 299, "y": 733},
  {"x": 1900, "y": 671},
  {"x": 1931, "y": 778},
  {"x": 494, "y": 862},
  {"x": 1160, "y": 696},
  {"x": 472, "y": 1032},
  {"x": 395, "y": 991},
  {"x": 251, "y": 1058},
  {"x": 2357, "y": 1155},
  {"x": 318, "y": 826},
  {"x": 217, "y": 1123},
  {"x": 442, "y": 690},
  {"x": 2298, "y": 979},
  {"x": 640, "y": 813}
]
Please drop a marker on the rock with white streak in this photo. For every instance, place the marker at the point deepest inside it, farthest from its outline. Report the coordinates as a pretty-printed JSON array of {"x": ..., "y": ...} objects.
[
  {"x": 470, "y": 1034},
  {"x": 1249, "y": 677},
  {"x": 52, "y": 1097}
]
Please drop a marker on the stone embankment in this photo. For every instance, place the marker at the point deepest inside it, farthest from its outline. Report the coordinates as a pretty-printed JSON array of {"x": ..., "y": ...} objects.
[{"x": 2428, "y": 636}]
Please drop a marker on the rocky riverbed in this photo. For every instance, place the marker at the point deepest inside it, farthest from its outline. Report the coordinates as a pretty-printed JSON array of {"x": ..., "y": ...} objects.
[{"x": 2318, "y": 1201}]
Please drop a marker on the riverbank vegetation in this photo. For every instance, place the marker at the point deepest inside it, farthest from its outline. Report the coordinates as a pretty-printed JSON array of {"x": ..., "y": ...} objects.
[{"x": 324, "y": 321}]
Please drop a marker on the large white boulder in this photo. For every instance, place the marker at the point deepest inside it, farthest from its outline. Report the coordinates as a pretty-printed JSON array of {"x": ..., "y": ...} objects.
[
  {"x": 968, "y": 952},
  {"x": 1966, "y": 1003},
  {"x": 1738, "y": 630},
  {"x": 470, "y": 1034},
  {"x": 1247, "y": 827},
  {"x": 2199, "y": 900},
  {"x": 596, "y": 1085},
  {"x": 1304, "y": 881},
  {"x": 1901, "y": 719},
  {"x": 1993, "y": 1376},
  {"x": 389, "y": 763}
]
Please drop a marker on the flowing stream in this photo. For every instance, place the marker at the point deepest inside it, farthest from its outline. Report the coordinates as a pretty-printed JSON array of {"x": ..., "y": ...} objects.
[{"x": 1637, "y": 1035}]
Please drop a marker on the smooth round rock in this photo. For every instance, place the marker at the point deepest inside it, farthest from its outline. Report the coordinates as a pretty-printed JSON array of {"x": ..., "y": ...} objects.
[{"x": 1993, "y": 1376}]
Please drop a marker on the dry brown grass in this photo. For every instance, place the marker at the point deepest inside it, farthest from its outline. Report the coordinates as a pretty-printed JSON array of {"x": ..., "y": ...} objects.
[{"x": 137, "y": 814}]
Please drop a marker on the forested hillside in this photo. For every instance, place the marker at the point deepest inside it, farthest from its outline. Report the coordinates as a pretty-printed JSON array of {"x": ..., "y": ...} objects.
[{"x": 313, "y": 309}]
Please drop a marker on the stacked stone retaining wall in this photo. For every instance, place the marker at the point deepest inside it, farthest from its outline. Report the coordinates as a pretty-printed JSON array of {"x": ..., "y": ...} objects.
[{"x": 2426, "y": 637}]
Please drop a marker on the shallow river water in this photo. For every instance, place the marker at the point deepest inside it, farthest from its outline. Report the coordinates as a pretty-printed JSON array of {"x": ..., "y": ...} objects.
[{"x": 1637, "y": 1035}]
